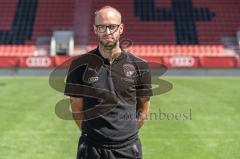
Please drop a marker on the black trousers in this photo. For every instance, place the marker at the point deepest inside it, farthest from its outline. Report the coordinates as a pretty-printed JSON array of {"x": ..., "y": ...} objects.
[{"x": 88, "y": 151}]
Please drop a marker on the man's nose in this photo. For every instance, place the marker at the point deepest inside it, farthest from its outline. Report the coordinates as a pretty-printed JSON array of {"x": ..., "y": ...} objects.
[{"x": 108, "y": 31}]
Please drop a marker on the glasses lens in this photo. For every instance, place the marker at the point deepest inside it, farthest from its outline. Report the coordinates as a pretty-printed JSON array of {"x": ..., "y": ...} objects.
[
  {"x": 112, "y": 27},
  {"x": 103, "y": 28}
]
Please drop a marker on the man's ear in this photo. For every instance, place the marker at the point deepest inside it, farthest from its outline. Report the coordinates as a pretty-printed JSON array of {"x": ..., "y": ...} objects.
[
  {"x": 94, "y": 29},
  {"x": 121, "y": 28}
]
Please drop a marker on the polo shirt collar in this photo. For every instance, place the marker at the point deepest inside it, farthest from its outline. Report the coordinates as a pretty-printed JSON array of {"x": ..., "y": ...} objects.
[{"x": 120, "y": 57}]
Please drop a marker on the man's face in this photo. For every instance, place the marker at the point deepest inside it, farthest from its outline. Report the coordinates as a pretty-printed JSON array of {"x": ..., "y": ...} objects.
[{"x": 108, "y": 28}]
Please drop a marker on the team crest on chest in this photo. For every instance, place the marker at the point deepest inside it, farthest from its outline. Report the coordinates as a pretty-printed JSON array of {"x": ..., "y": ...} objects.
[{"x": 129, "y": 70}]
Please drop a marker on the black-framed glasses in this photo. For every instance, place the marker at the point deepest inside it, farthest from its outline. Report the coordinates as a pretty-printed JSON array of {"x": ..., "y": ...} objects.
[{"x": 112, "y": 28}]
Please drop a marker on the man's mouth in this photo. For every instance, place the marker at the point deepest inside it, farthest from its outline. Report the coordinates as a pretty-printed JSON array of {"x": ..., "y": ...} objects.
[{"x": 106, "y": 37}]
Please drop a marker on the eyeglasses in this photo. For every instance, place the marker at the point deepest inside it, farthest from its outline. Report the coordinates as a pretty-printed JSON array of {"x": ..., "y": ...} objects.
[{"x": 112, "y": 28}]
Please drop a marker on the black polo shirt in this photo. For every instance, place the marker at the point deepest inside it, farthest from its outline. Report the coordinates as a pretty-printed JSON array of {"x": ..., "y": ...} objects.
[{"x": 110, "y": 93}]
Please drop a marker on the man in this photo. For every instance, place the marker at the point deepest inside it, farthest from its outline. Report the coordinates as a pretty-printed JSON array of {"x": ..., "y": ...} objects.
[{"x": 110, "y": 93}]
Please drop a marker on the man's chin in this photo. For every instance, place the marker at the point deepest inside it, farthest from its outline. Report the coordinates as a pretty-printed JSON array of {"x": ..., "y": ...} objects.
[{"x": 109, "y": 45}]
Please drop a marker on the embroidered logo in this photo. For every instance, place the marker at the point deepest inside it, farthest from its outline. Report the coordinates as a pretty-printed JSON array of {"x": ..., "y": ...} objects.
[
  {"x": 93, "y": 79},
  {"x": 129, "y": 70}
]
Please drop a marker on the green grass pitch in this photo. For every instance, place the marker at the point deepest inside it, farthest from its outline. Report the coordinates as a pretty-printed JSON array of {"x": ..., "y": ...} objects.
[{"x": 29, "y": 127}]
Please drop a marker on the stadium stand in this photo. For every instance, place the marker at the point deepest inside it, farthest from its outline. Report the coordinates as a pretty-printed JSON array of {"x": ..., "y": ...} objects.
[
  {"x": 177, "y": 27},
  {"x": 156, "y": 28},
  {"x": 27, "y": 20},
  {"x": 22, "y": 22}
]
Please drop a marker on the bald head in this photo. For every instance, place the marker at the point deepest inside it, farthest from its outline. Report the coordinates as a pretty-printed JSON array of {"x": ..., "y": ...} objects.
[{"x": 107, "y": 14}]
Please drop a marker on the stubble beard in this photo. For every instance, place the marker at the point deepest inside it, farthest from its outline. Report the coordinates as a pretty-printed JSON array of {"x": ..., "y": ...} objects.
[{"x": 109, "y": 45}]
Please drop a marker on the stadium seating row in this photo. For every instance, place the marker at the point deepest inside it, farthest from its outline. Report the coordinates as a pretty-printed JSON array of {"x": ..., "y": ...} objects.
[
  {"x": 140, "y": 50},
  {"x": 157, "y": 62},
  {"x": 179, "y": 50},
  {"x": 17, "y": 50}
]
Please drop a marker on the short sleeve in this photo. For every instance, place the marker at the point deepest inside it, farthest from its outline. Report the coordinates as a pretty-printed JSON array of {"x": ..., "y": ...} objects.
[
  {"x": 74, "y": 80},
  {"x": 144, "y": 83}
]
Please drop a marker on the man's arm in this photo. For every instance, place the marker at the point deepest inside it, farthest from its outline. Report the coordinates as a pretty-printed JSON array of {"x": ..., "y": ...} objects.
[
  {"x": 143, "y": 105},
  {"x": 77, "y": 107}
]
